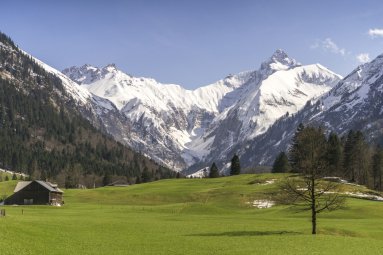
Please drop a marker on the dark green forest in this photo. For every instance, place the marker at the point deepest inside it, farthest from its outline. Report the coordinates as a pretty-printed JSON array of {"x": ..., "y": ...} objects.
[{"x": 41, "y": 133}]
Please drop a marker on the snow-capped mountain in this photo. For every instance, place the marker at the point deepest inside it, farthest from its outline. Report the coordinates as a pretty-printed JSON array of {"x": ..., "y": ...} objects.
[
  {"x": 356, "y": 102},
  {"x": 181, "y": 128},
  {"x": 253, "y": 114},
  {"x": 163, "y": 117},
  {"x": 280, "y": 87}
]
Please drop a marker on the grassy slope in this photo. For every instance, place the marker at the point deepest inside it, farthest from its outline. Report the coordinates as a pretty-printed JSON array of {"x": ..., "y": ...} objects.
[{"x": 187, "y": 217}]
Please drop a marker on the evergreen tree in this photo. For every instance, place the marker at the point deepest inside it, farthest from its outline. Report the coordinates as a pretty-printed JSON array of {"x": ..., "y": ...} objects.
[
  {"x": 362, "y": 158},
  {"x": 235, "y": 167},
  {"x": 377, "y": 168},
  {"x": 310, "y": 140},
  {"x": 356, "y": 158},
  {"x": 6, "y": 178},
  {"x": 107, "y": 179},
  {"x": 334, "y": 154},
  {"x": 138, "y": 180},
  {"x": 146, "y": 175},
  {"x": 43, "y": 175},
  {"x": 14, "y": 176},
  {"x": 294, "y": 155},
  {"x": 281, "y": 164},
  {"x": 348, "y": 161},
  {"x": 204, "y": 175},
  {"x": 214, "y": 172}
]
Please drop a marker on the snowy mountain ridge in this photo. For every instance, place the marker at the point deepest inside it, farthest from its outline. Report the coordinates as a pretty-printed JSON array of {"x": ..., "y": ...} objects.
[
  {"x": 120, "y": 88},
  {"x": 283, "y": 93},
  {"x": 180, "y": 127}
]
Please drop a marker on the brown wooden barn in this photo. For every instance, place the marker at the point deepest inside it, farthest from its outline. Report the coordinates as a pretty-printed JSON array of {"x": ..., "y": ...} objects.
[{"x": 35, "y": 193}]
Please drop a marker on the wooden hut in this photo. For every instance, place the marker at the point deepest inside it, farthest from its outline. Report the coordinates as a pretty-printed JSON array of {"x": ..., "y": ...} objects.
[{"x": 35, "y": 193}]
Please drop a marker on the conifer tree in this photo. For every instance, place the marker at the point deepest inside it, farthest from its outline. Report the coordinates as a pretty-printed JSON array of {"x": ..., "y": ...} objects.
[
  {"x": 235, "y": 167},
  {"x": 348, "y": 162},
  {"x": 281, "y": 164},
  {"x": 334, "y": 154},
  {"x": 356, "y": 158},
  {"x": 214, "y": 172},
  {"x": 377, "y": 168},
  {"x": 14, "y": 176},
  {"x": 204, "y": 172},
  {"x": 294, "y": 155},
  {"x": 107, "y": 179},
  {"x": 146, "y": 175}
]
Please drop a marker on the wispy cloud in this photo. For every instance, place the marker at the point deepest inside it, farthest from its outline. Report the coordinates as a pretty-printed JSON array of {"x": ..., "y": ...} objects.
[
  {"x": 329, "y": 45},
  {"x": 375, "y": 32},
  {"x": 363, "y": 58}
]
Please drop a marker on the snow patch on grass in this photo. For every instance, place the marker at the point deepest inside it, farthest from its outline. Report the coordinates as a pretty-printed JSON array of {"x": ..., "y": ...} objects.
[
  {"x": 365, "y": 196},
  {"x": 261, "y": 204}
]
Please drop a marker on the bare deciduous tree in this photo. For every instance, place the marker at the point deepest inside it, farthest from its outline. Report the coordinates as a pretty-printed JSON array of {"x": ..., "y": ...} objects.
[
  {"x": 314, "y": 194},
  {"x": 308, "y": 190}
]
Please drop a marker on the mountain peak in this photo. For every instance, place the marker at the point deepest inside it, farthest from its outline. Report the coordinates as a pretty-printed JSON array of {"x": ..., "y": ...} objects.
[
  {"x": 279, "y": 61},
  {"x": 84, "y": 74},
  {"x": 279, "y": 54},
  {"x": 110, "y": 67}
]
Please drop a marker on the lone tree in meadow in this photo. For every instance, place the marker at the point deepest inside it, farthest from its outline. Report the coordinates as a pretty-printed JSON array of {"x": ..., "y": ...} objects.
[
  {"x": 214, "y": 172},
  {"x": 281, "y": 164},
  {"x": 235, "y": 167},
  {"x": 308, "y": 190}
]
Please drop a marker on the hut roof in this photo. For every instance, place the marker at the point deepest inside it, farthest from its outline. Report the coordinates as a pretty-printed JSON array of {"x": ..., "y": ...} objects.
[
  {"x": 49, "y": 186},
  {"x": 20, "y": 186}
]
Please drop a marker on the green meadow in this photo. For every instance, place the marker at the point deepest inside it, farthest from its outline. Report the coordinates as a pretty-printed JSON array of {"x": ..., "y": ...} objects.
[{"x": 187, "y": 216}]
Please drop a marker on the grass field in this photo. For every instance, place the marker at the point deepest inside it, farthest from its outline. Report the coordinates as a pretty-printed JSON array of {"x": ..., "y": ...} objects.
[{"x": 187, "y": 216}]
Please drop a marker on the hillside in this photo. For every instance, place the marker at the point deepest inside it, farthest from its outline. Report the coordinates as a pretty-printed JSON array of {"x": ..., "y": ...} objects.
[
  {"x": 44, "y": 134},
  {"x": 355, "y": 103},
  {"x": 189, "y": 216}
]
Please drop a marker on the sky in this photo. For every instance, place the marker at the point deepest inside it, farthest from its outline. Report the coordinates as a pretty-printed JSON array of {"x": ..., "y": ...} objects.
[{"x": 196, "y": 42}]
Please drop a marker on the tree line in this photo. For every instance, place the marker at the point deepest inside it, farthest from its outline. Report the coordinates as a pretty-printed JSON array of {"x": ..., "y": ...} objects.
[
  {"x": 214, "y": 172},
  {"x": 349, "y": 157}
]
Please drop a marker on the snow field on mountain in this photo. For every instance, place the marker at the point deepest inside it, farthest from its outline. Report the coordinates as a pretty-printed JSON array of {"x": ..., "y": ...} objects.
[{"x": 188, "y": 122}]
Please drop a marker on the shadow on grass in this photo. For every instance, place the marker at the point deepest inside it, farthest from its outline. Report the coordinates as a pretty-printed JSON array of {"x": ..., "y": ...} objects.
[{"x": 250, "y": 233}]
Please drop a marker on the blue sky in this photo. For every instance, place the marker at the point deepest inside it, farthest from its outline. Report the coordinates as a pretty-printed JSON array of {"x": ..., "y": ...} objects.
[{"x": 194, "y": 43}]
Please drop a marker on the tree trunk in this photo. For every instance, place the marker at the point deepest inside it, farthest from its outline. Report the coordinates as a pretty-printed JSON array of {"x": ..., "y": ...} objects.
[
  {"x": 314, "y": 221},
  {"x": 313, "y": 209}
]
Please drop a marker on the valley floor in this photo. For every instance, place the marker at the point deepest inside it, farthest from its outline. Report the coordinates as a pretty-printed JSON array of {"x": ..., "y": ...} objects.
[{"x": 187, "y": 216}]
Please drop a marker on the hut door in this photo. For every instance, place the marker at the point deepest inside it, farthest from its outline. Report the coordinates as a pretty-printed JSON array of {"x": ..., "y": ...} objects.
[{"x": 28, "y": 201}]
